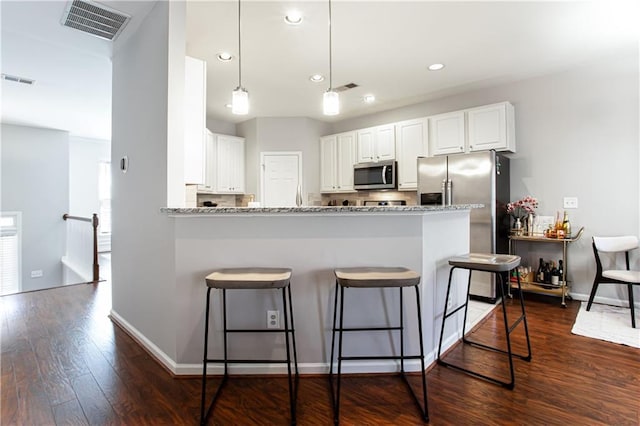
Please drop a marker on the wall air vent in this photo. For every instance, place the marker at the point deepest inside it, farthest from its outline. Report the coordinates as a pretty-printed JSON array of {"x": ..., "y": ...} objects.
[
  {"x": 94, "y": 18},
  {"x": 17, "y": 79},
  {"x": 345, "y": 87}
]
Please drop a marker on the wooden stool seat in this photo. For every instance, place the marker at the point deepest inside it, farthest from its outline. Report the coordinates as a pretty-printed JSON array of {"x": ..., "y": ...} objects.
[
  {"x": 376, "y": 277},
  {"x": 486, "y": 262},
  {"x": 249, "y": 278}
]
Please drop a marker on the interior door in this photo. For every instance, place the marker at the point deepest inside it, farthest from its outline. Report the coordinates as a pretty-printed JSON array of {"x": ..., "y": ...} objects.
[{"x": 281, "y": 174}]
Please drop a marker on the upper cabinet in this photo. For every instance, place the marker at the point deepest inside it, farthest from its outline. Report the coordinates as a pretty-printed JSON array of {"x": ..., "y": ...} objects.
[
  {"x": 209, "y": 164},
  {"x": 195, "y": 89},
  {"x": 491, "y": 127},
  {"x": 475, "y": 129},
  {"x": 337, "y": 157},
  {"x": 447, "y": 133},
  {"x": 376, "y": 144},
  {"x": 411, "y": 143}
]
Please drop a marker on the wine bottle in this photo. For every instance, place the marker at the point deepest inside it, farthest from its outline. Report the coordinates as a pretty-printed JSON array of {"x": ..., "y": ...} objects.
[
  {"x": 540, "y": 272},
  {"x": 566, "y": 225},
  {"x": 547, "y": 273},
  {"x": 560, "y": 272},
  {"x": 554, "y": 274}
]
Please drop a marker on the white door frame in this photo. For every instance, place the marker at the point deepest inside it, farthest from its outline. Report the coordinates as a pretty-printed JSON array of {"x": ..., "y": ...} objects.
[{"x": 269, "y": 153}]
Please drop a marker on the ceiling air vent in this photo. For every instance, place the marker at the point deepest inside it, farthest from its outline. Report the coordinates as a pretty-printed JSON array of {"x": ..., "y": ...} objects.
[
  {"x": 17, "y": 79},
  {"x": 346, "y": 87},
  {"x": 94, "y": 18}
]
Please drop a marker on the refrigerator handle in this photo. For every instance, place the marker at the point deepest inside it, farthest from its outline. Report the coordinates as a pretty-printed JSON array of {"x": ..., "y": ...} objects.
[
  {"x": 444, "y": 192},
  {"x": 449, "y": 193},
  {"x": 384, "y": 175}
]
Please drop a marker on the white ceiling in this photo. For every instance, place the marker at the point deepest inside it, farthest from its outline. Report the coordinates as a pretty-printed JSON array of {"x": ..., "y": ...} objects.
[{"x": 384, "y": 47}]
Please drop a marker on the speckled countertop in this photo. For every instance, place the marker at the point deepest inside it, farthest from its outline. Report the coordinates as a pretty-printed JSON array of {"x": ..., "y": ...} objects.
[{"x": 333, "y": 210}]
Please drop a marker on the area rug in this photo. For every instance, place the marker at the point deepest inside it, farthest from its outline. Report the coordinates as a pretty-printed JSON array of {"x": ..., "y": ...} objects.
[{"x": 609, "y": 323}]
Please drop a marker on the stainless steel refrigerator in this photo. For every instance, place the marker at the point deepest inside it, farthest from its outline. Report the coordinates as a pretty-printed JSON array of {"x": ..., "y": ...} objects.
[{"x": 476, "y": 178}]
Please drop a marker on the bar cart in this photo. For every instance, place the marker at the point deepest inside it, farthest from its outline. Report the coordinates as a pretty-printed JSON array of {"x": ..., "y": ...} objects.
[{"x": 561, "y": 290}]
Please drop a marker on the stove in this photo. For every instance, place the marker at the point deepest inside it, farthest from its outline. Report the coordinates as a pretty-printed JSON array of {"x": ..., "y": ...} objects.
[{"x": 385, "y": 203}]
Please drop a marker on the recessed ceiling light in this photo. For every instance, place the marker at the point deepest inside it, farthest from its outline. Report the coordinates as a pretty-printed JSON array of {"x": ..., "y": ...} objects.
[
  {"x": 225, "y": 56},
  {"x": 316, "y": 78},
  {"x": 368, "y": 98},
  {"x": 294, "y": 17},
  {"x": 436, "y": 67}
]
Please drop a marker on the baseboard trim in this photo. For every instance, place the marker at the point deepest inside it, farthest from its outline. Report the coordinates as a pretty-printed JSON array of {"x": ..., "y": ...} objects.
[
  {"x": 361, "y": 367},
  {"x": 604, "y": 300}
]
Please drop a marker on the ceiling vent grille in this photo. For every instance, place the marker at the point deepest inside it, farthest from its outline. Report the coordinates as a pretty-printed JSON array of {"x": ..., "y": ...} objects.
[
  {"x": 94, "y": 18},
  {"x": 345, "y": 87},
  {"x": 17, "y": 79}
]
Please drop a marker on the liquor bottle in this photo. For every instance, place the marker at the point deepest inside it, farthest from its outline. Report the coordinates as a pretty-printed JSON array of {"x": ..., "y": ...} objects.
[
  {"x": 540, "y": 272},
  {"x": 566, "y": 225},
  {"x": 554, "y": 274},
  {"x": 560, "y": 272}
]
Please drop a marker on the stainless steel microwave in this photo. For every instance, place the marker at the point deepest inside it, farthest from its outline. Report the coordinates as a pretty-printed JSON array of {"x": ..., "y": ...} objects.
[{"x": 380, "y": 175}]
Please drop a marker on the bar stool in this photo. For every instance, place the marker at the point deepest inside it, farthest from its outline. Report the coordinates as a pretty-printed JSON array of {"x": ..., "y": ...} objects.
[
  {"x": 376, "y": 278},
  {"x": 250, "y": 279},
  {"x": 497, "y": 264}
]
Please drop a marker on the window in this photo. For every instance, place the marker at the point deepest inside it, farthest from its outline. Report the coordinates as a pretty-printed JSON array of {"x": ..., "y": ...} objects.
[
  {"x": 104, "y": 195},
  {"x": 10, "y": 234}
]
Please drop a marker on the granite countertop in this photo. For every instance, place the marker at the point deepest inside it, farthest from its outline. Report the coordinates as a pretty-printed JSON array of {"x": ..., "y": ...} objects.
[{"x": 210, "y": 211}]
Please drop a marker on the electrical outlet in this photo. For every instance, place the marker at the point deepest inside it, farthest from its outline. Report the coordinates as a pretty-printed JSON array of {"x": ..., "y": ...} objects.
[
  {"x": 273, "y": 319},
  {"x": 570, "y": 202},
  {"x": 37, "y": 273}
]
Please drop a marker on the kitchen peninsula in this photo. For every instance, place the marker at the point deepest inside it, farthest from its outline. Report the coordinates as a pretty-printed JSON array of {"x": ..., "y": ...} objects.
[{"x": 312, "y": 241}]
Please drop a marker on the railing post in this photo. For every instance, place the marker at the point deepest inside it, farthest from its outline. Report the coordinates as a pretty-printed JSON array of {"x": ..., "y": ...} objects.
[{"x": 96, "y": 266}]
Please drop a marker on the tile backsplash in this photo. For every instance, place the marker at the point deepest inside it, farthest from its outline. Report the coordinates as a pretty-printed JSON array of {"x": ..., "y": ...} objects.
[
  {"x": 315, "y": 199},
  {"x": 358, "y": 198}
]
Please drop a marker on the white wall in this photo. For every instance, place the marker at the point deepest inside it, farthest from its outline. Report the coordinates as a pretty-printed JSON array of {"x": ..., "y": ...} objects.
[
  {"x": 35, "y": 181},
  {"x": 284, "y": 134},
  {"x": 144, "y": 127},
  {"x": 577, "y": 135},
  {"x": 84, "y": 156}
]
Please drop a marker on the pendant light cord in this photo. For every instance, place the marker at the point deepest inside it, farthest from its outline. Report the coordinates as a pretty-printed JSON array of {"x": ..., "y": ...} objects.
[
  {"x": 330, "y": 56},
  {"x": 239, "y": 50}
]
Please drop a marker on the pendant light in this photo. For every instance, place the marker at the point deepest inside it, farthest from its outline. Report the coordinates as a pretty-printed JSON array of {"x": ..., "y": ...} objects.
[
  {"x": 240, "y": 97},
  {"x": 330, "y": 99}
]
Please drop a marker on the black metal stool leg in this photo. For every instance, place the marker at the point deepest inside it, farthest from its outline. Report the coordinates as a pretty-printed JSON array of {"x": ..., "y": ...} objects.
[
  {"x": 333, "y": 342},
  {"x": 401, "y": 333},
  {"x": 204, "y": 360},
  {"x": 508, "y": 329},
  {"x": 336, "y": 411},
  {"x": 285, "y": 313},
  {"x": 445, "y": 315}
]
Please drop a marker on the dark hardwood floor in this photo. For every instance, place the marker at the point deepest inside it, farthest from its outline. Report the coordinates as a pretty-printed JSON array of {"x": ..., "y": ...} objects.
[{"x": 64, "y": 362}]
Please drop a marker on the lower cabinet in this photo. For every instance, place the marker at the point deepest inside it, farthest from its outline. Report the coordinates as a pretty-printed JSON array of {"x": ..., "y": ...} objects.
[
  {"x": 337, "y": 157},
  {"x": 224, "y": 165}
]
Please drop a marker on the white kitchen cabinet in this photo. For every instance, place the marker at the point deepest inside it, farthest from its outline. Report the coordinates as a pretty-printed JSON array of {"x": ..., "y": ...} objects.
[
  {"x": 376, "y": 144},
  {"x": 337, "y": 157},
  {"x": 195, "y": 89},
  {"x": 229, "y": 164},
  {"x": 447, "y": 133},
  {"x": 474, "y": 129},
  {"x": 411, "y": 143},
  {"x": 209, "y": 165},
  {"x": 491, "y": 127}
]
